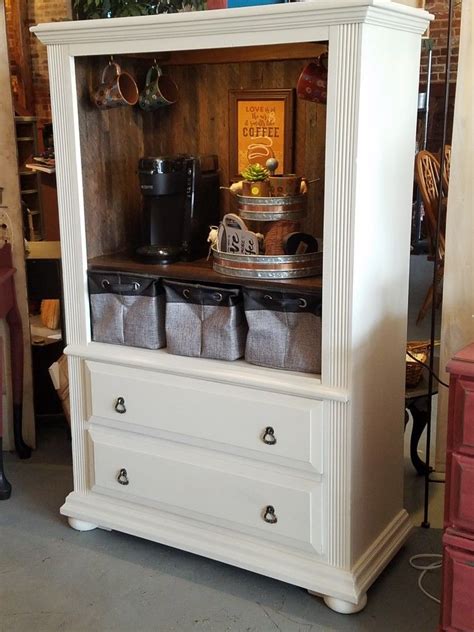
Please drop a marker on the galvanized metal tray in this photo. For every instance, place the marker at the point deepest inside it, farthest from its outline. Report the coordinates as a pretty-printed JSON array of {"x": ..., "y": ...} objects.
[
  {"x": 266, "y": 266},
  {"x": 270, "y": 209}
]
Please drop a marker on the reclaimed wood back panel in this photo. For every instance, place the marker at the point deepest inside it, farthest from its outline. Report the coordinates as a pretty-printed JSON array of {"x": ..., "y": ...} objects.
[{"x": 112, "y": 141}]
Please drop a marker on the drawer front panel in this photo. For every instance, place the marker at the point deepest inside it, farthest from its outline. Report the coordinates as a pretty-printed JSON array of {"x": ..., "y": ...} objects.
[
  {"x": 458, "y": 589},
  {"x": 274, "y": 425},
  {"x": 461, "y": 511},
  {"x": 464, "y": 416},
  {"x": 194, "y": 483}
]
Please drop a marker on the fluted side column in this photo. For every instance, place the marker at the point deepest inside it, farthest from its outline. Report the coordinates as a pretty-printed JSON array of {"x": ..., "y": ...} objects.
[
  {"x": 70, "y": 198},
  {"x": 73, "y": 240},
  {"x": 343, "y": 96}
]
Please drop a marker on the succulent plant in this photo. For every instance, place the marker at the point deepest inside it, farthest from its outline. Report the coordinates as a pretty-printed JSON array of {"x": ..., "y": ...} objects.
[
  {"x": 84, "y": 9},
  {"x": 255, "y": 173}
]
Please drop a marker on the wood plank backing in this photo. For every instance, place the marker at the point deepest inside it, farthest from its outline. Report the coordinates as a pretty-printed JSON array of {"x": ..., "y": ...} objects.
[
  {"x": 199, "y": 121},
  {"x": 112, "y": 141},
  {"x": 111, "y": 144}
]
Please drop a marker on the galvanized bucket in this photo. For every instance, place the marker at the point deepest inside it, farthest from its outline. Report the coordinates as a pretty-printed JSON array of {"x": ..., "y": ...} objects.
[
  {"x": 268, "y": 267},
  {"x": 269, "y": 209}
]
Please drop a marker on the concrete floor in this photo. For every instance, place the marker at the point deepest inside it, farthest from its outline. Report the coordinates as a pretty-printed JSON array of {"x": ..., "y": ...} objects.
[{"x": 54, "y": 578}]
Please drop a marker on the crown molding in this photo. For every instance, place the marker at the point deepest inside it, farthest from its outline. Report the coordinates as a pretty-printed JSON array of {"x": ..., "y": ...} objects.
[{"x": 280, "y": 23}]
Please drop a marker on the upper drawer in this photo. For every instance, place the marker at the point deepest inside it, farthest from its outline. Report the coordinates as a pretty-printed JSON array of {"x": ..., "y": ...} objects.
[
  {"x": 463, "y": 416},
  {"x": 278, "y": 427}
]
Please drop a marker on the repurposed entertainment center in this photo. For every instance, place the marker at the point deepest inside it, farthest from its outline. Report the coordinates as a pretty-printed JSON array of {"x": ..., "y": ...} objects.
[{"x": 322, "y": 506}]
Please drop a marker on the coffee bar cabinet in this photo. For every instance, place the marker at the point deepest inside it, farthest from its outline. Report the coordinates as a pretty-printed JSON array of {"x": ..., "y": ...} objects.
[{"x": 292, "y": 475}]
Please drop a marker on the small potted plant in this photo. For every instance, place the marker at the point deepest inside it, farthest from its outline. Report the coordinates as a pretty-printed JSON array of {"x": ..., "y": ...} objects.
[{"x": 255, "y": 183}]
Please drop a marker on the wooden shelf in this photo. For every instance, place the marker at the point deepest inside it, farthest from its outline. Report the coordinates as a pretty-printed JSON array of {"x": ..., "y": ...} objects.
[{"x": 200, "y": 271}]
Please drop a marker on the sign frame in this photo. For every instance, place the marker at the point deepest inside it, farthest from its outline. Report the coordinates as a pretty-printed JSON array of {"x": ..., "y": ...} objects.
[{"x": 272, "y": 112}]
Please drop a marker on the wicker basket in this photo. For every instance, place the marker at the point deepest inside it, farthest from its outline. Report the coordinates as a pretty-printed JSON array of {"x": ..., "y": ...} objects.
[{"x": 414, "y": 370}]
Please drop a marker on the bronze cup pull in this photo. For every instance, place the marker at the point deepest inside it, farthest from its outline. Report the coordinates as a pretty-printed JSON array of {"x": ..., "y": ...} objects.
[
  {"x": 120, "y": 405},
  {"x": 269, "y": 515},
  {"x": 268, "y": 436},
  {"x": 122, "y": 477}
]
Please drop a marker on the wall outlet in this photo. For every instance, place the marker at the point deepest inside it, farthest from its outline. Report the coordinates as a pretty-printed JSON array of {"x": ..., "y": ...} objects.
[{"x": 5, "y": 228}]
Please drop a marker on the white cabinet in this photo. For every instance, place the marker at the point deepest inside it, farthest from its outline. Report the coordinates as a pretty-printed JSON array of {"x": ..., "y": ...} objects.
[{"x": 184, "y": 461}]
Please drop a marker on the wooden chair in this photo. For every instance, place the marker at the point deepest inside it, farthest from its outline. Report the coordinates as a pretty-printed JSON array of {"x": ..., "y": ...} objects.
[
  {"x": 446, "y": 168},
  {"x": 427, "y": 170}
]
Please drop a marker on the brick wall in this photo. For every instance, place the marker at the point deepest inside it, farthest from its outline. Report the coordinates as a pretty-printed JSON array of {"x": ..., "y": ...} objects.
[
  {"x": 44, "y": 11},
  {"x": 11, "y": 37},
  {"x": 438, "y": 33}
]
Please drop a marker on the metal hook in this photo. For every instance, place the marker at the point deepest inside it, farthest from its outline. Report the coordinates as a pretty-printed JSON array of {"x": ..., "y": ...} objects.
[{"x": 111, "y": 61}]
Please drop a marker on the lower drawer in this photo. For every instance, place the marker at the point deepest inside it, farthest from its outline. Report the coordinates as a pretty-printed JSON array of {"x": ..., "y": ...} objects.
[
  {"x": 458, "y": 584},
  {"x": 275, "y": 427},
  {"x": 201, "y": 485}
]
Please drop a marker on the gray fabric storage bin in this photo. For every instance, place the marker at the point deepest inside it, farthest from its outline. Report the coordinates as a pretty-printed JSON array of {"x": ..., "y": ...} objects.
[
  {"x": 127, "y": 309},
  {"x": 284, "y": 330},
  {"x": 204, "y": 321}
]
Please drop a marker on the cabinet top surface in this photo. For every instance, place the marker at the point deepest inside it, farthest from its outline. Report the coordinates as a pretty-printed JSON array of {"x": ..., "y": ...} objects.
[
  {"x": 462, "y": 362},
  {"x": 265, "y": 20}
]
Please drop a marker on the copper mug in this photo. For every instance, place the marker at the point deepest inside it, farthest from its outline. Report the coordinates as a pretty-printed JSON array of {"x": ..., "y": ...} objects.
[
  {"x": 115, "y": 89},
  {"x": 159, "y": 91},
  {"x": 313, "y": 82}
]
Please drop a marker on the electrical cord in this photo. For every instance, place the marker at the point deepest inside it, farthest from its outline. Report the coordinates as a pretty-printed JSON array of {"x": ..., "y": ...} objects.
[
  {"x": 429, "y": 369},
  {"x": 426, "y": 568}
]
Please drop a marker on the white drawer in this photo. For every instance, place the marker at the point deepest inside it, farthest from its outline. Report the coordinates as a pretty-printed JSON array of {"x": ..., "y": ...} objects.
[
  {"x": 203, "y": 485},
  {"x": 233, "y": 416}
]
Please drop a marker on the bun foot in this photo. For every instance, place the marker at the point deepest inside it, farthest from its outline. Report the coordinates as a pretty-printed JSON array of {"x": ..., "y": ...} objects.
[
  {"x": 346, "y": 607},
  {"x": 341, "y": 606},
  {"x": 80, "y": 525}
]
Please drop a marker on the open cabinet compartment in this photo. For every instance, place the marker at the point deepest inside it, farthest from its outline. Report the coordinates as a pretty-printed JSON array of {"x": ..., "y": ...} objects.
[{"x": 198, "y": 123}]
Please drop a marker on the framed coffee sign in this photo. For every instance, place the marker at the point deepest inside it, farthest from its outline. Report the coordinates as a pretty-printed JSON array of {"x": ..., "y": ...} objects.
[{"x": 260, "y": 127}]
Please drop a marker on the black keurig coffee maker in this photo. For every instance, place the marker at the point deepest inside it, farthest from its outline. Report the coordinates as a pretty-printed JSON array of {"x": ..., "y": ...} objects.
[{"x": 180, "y": 202}]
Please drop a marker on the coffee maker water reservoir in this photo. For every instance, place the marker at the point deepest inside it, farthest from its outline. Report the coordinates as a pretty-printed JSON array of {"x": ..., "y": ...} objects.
[{"x": 180, "y": 202}]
